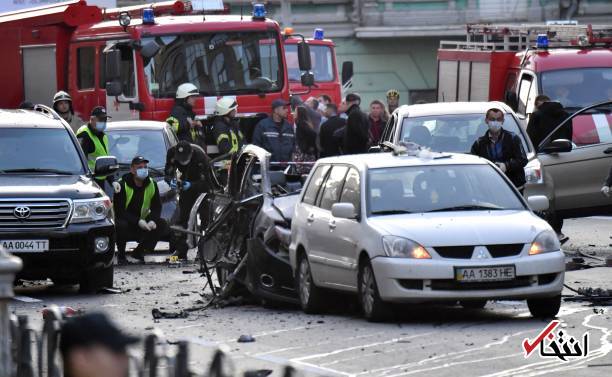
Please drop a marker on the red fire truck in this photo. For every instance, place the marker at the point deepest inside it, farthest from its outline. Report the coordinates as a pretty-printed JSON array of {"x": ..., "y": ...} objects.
[
  {"x": 324, "y": 67},
  {"x": 514, "y": 63},
  {"x": 133, "y": 59}
]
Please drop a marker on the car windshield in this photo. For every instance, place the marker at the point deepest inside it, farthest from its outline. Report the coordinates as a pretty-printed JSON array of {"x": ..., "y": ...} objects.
[
  {"x": 44, "y": 150},
  {"x": 578, "y": 88},
  {"x": 127, "y": 144},
  {"x": 415, "y": 189},
  {"x": 217, "y": 63},
  {"x": 321, "y": 58},
  {"x": 453, "y": 132}
]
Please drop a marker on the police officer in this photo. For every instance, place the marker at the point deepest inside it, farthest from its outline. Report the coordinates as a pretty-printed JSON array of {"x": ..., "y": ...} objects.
[
  {"x": 137, "y": 206},
  {"x": 226, "y": 129},
  {"x": 182, "y": 118},
  {"x": 94, "y": 141},
  {"x": 62, "y": 104},
  {"x": 196, "y": 178}
]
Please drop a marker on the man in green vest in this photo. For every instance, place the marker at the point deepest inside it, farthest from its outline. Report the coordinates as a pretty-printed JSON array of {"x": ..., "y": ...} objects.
[
  {"x": 94, "y": 141},
  {"x": 137, "y": 208}
]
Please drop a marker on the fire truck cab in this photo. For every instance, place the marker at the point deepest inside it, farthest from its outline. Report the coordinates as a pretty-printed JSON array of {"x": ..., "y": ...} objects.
[
  {"x": 328, "y": 79},
  {"x": 133, "y": 59}
]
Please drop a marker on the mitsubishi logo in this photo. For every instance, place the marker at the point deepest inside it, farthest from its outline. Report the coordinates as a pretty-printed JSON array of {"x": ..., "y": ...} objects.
[
  {"x": 22, "y": 212},
  {"x": 481, "y": 254}
]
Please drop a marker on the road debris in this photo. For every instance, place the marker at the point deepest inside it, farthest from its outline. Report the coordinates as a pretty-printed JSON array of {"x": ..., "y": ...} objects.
[
  {"x": 246, "y": 339},
  {"x": 158, "y": 314}
]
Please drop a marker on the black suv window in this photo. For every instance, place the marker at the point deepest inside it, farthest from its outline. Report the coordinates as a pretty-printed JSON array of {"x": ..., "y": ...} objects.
[
  {"x": 333, "y": 185},
  {"x": 310, "y": 196},
  {"x": 38, "y": 149}
]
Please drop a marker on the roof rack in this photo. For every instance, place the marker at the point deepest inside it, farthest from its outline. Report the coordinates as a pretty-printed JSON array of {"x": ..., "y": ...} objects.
[
  {"x": 518, "y": 37},
  {"x": 47, "y": 111}
]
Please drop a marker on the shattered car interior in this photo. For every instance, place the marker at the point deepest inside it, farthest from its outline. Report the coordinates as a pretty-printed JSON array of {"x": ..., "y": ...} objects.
[{"x": 243, "y": 231}]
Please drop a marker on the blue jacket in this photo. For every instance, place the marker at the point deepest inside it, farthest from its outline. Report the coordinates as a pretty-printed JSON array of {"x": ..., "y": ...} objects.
[{"x": 279, "y": 141}]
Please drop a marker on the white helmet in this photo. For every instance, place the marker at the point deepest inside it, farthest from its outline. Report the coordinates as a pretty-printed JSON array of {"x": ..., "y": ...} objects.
[
  {"x": 187, "y": 90},
  {"x": 225, "y": 105},
  {"x": 61, "y": 96}
]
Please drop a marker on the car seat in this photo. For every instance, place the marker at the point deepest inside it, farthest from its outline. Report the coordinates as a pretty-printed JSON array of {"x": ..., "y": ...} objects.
[
  {"x": 391, "y": 195},
  {"x": 420, "y": 135}
]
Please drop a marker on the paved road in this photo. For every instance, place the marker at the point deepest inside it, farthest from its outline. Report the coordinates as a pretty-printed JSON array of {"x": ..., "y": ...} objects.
[{"x": 422, "y": 340}]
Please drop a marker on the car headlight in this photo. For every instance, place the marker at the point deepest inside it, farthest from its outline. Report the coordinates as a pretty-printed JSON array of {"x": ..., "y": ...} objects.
[
  {"x": 399, "y": 247},
  {"x": 533, "y": 172},
  {"x": 89, "y": 210},
  {"x": 545, "y": 242}
]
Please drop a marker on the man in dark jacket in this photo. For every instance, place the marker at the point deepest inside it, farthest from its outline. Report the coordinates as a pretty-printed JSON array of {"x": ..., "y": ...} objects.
[
  {"x": 545, "y": 119},
  {"x": 196, "y": 178},
  {"x": 329, "y": 144},
  {"x": 275, "y": 134},
  {"x": 182, "y": 119},
  {"x": 502, "y": 147},
  {"x": 137, "y": 206},
  {"x": 356, "y": 134}
]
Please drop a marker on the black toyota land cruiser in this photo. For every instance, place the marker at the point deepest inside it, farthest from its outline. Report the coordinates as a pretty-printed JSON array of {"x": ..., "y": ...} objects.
[{"x": 52, "y": 215}]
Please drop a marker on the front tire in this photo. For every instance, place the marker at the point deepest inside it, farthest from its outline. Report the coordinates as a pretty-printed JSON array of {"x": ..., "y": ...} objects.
[
  {"x": 94, "y": 280},
  {"x": 373, "y": 307},
  {"x": 547, "y": 307},
  {"x": 311, "y": 296}
]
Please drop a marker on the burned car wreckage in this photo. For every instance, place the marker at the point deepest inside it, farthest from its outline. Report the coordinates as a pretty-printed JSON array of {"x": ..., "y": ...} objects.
[{"x": 242, "y": 232}]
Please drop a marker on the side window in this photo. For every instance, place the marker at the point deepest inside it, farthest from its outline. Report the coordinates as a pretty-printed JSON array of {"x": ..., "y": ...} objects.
[
  {"x": 351, "y": 192},
  {"x": 86, "y": 66},
  {"x": 533, "y": 93},
  {"x": 102, "y": 81},
  {"x": 585, "y": 133},
  {"x": 310, "y": 195},
  {"x": 128, "y": 76},
  {"x": 524, "y": 90},
  {"x": 333, "y": 185}
]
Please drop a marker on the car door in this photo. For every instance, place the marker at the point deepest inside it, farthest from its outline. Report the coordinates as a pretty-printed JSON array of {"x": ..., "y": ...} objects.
[
  {"x": 325, "y": 260},
  {"x": 344, "y": 234},
  {"x": 578, "y": 175}
]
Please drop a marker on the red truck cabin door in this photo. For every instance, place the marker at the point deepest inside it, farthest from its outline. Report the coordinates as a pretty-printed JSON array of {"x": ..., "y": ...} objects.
[{"x": 85, "y": 82}]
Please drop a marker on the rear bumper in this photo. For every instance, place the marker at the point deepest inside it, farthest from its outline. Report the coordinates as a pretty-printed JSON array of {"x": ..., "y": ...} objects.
[
  {"x": 71, "y": 251},
  {"x": 409, "y": 280}
]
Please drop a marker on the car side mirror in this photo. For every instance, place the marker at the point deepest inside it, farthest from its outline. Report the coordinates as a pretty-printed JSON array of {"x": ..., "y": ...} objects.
[
  {"x": 304, "y": 61},
  {"x": 512, "y": 100},
  {"x": 344, "y": 211},
  {"x": 149, "y": 50},
  {"x": 538, "y": 203},
  {"x": 112, "y": 65},
  {"x": 114, "y": 88},
  {"x": 106, "y": 165},
  {"x": 557, "y": 146},
  {"x": 347, "y": 72},
  {"x": 307, "y": 79}
]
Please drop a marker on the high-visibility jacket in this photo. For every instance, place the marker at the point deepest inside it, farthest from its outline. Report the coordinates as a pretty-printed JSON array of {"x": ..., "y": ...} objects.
[
  {"x": 149, "y": 193},
  {"x": 101, "y": 146},
  {"x": 228, "y": 137}
]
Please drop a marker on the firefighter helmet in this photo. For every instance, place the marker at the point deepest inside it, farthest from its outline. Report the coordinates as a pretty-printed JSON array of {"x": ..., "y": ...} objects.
[
  {"x": 187, "y": 90},
  {"x": 225, "y": 105},
  {"x": 61, "y": 96},
  {"x": 393, "y": 93}
]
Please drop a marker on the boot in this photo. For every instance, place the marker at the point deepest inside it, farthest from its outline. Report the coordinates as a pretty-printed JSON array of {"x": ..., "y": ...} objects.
[
  {"x": 121, "y": 259},
  {"x": 138, "y": 253}
]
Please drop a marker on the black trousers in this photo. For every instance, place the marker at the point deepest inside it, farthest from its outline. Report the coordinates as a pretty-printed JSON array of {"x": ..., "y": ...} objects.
[{"x": 146, "y": 240}]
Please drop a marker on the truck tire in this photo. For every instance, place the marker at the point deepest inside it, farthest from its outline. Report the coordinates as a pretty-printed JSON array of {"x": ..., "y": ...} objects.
[
  {"x": 94, "y": 280},
  {"x": 546, "y": 307}
]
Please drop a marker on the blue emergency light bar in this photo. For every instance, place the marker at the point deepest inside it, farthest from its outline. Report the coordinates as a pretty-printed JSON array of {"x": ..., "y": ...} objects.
[
  {"x": 542, "y": 41},
  {"x": 319, "y": 34},
  {"x": 259, "y": 11},
  {"x": 148, "y": 16}
]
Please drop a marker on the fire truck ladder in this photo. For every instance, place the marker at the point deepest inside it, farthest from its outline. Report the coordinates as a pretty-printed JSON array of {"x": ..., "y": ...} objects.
[{"x": 484, "y": 37}]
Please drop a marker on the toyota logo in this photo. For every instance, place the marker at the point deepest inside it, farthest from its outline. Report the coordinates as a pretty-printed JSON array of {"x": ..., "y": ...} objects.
[{"x": 22, "y": 212}]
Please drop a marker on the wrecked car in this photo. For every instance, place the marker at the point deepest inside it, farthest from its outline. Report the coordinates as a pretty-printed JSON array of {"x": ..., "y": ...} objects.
[{"x": 243, "y": 232}]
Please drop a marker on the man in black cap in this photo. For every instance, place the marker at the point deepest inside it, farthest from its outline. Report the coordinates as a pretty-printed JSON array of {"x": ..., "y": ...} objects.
[
  {"x": 275, "y": 134},
  {"x": 92, "y": 346},
  {"x": 94, "y": 141},
  {"x": 196, "y": 178},
  {"x": 137, "y": 206}
]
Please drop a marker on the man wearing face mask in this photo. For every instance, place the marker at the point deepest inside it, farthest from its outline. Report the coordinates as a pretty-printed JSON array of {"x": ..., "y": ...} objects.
[
  {"x": 137, "y": 206},
  {"x": 502, "y": 147},
  {"x": 195, "y": 178},
  {"x": 94, "y": 141}
]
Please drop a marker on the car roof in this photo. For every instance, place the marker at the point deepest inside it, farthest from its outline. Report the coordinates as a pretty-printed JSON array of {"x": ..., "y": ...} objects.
[
  {"x": 10, "y": 118},
  {"x": 136, "y": 125},
  {"x": 447, "y": 108},
  {"x": 391, "y": 160}
]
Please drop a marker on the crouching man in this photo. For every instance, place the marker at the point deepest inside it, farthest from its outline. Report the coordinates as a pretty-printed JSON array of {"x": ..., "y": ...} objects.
[{"x": 137, "y": 206}]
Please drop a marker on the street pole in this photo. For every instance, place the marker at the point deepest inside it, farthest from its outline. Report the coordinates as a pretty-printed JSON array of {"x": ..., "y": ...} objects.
[{"x": 9, "y": 266}]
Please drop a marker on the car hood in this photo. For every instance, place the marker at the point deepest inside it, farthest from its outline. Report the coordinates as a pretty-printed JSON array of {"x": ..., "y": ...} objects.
[
  {"x": 462, "y": 228},
  {"x": 48, "y": 186},
  {"x": 286, "y": 205}
]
